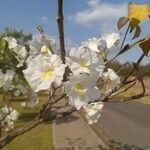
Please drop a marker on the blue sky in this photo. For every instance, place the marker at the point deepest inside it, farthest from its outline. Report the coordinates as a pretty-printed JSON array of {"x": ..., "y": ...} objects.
[{"x": 83, "y": 18}]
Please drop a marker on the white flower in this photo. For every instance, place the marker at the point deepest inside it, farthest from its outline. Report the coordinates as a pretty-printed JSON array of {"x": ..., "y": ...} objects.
[
  {"x": 6, "y": 80},
  {"x": 42, "y": 54},
  {"x": 40, "y": 45},
  {"x": 110, "y": 39},
  {"x": 35, "y": 51},
  {"x": 95, "y": 44},
  {"x": 93, "y": 112},
  {"x": 82, "y": 60},
  {"x": 12, "y": 42},
  {"x": 41, "y": 75},
  {"x": 81, "y": 89},
  {"x": 13, "y": 115},
  {"x": 109, "y": 80},
  {"x": 9, "y": 125},
  {"x": 106, "y": 41},
  {"x": 20, "y": 51},
  {"x": 20, "y": 54},
  {"x": 10, "y": 117}
]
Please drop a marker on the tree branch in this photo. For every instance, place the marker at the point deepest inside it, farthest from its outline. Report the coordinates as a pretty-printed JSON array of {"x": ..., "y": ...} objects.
[
  {"x": 40, "y": 118},
  {"x": 60, "y": 25}
]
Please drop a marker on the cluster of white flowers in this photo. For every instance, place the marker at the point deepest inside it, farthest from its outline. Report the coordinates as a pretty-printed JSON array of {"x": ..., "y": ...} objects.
[
  {"x": 20, "y": 51},
  {"x": 93, "y": 112},
  {"x": 106, "y": 41},
  {"x": 7, "y": 83},
  {"x": 9, "y": 79},
  {"x": 86, "y": 66},
  {"x": 8, "y": 116},
  {"x": 109, "y": 80},
  {"x": 44, "y": 70},
  {"x": 6, "y": 80}
]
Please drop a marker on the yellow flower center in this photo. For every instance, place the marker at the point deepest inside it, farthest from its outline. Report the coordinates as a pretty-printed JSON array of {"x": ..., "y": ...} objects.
[
  {"x": 47, "y": 74},
  {"x": 84, "y": 66},
  {"x": 79, "y": 88},
  {"x": 44, "y": 50}
]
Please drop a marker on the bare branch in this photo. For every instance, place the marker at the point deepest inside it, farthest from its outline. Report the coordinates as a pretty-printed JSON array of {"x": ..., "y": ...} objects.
[
  {"x": 40, "y": 118},
  {"x": 126, "y": 89},
  {"x": 123, "y": 82},
  {"x": 60, "y": 25},
  {"x": 19, "y": 131},
  {"x": 130, "y": 98}
]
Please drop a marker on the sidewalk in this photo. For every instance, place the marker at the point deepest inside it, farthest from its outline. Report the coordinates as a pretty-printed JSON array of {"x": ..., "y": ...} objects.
[{"x": 73, "y": 133}]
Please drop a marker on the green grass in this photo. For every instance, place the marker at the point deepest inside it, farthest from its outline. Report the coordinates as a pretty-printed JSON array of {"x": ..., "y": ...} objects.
[{"x": 39, "y": 138}]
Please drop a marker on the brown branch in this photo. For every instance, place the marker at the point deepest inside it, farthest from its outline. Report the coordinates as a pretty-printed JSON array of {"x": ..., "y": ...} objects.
[
  {"x": 126, "y": 89},
  {"x": 19, "y": 131},
  {"x": 122, "y": 67},
  {"x": 60, "y": 25},
  {"x": 130, "y": 98},
  {"x": 5, "y": 116},
  {"x": 123, "y": 82},
  {"x": 135, "y": 66},
  {"x": 139, "y": 78},
  {"x": 40, "y": 118}
]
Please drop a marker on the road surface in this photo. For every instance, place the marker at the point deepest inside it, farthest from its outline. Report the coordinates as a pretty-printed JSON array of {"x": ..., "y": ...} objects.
[{"x": 128, "y": 122}]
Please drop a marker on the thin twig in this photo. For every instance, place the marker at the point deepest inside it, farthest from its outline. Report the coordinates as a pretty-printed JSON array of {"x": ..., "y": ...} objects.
[
  {"x": 130, "y": 98},
  {"x": 126, "y": 89},
  {"x": 136, "y": 64},
  {"x": 122, "y": 83}
]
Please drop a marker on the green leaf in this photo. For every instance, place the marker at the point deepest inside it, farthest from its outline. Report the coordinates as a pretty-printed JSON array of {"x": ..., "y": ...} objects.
[
  {"x": 2, "y": 44},
  {"x": 122, "y": 22},
  {"x": 126, "y": 47},
  {"x": 133, "y": 24},
  {"x": 137, "y": 32}
]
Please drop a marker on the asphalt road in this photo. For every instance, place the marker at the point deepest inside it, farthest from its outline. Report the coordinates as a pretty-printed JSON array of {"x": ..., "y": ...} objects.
[{"x": 128, "y": 122}]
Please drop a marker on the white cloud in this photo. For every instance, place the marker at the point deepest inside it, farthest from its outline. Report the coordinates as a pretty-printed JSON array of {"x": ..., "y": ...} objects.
[{"x": 102, "y": 13}]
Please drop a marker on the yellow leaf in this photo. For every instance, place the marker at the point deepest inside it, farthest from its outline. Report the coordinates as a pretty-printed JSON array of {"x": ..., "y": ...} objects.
[{"x": 138, "y": 11}]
